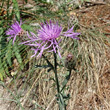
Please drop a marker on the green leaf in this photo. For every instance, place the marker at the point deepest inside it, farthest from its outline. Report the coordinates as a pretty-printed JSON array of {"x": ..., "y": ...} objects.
[
  {"x": 1, "y": 31},
  {"x": 5, "y": 66},
  {"x": 2, "y": 69},
  {"x": 49, "y": 63},
  {"x": 42, "y": 66},
  {"x": 9, "y": 53},
  {"x": 16, "y": 9},
  {"x": 66, "y": 80},
  {"x": 27, "y": 27},
  {"x": 1, "y": 74},
  {"x": 26, "y": 1},
  {"x": 62, "y": 102},
  {"x": 18, "y": 56}
]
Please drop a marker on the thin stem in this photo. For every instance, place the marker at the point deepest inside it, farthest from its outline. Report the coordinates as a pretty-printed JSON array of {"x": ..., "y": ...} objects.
[
  {"x": 48, "y": 62},
  {"x": 55, "y": 71},
  {"x": 57, "y": 82},
  {"x": 61, "y": 103}
]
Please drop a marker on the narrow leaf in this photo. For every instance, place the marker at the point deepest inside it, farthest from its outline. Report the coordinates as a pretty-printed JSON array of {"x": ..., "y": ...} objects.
[
  {"x": 17, "y": 54},
  {"x": 66, "y": 80},
  {"x": 26, "y": 1},
  {"x": 9, "y": 53},
  {"x": 1, "y": 76},
  {"x": 42, "y": 66},
  {"x": 16, "y": 9}
]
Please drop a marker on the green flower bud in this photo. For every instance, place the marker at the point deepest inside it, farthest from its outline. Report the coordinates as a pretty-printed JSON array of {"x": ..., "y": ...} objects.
[{"x": 69, "y": 61}]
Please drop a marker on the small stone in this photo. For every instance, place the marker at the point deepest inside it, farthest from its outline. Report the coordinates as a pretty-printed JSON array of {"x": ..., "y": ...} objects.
[{"x": 28, "y": 6}]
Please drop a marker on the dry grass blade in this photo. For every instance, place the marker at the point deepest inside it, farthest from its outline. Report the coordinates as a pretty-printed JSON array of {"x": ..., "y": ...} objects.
[{"x": 29, "y": 91}]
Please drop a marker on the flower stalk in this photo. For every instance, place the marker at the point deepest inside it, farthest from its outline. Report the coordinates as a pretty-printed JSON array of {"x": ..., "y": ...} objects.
[
  {"x": 55, "y": 71},
  {"x": 62, "y": 106}
]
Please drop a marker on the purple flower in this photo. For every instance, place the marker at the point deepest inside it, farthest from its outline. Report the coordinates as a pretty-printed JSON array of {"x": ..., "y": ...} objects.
[
  {"x": 14, "y": 30},
  {"x": 47, "y": 38}
]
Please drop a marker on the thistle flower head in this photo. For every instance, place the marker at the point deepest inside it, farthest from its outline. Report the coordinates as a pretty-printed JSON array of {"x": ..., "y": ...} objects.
[
  {"x": 14, "y": 30},
  {"x": 49, "y": 31},
  {"x": 46, "y": 39}
]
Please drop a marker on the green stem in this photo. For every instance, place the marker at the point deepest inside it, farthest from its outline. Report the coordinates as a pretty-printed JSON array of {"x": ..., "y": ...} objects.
[
  {"x": 62, "y": 105},
  {"x": 55, "y": 71},
  {"x": 57, "y": 82},
  {"x": 48, "y": 62}
]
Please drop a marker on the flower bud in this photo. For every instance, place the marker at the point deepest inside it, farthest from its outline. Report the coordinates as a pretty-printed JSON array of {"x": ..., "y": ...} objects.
[{"x": 69, "y": 61}]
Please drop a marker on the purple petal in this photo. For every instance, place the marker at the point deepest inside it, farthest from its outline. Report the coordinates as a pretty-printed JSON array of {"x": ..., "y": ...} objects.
[
  {"x": 59, "y": 54},
  {"x": 14, "y": 30},
  {"x": 35, "y": 52},
  {"x": 70, "y": 30},
  {"x": 41, "y": 52},
  {"x": 14, "y": 39}
]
